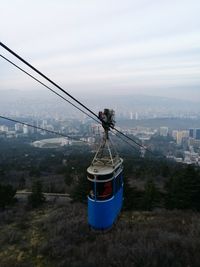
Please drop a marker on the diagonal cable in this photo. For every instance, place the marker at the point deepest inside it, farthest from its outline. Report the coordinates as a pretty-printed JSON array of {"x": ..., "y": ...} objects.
[
  {"x": 69, "y": 95},
  {"x": 40, "y": 128},
  {"x": 48, "y": 79},
  {"x": 48, "y": 87}
]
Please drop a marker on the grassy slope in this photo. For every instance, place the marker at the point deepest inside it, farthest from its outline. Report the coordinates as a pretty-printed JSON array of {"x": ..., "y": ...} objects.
[{"x": 58, "y": 235}]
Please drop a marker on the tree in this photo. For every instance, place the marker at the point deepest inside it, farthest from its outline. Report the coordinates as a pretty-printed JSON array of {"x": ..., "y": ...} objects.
[
  {"x": 7, "y": 193},
  {"x": 37, "y": 198},
  {"x": 69, "y": 175},
  {"x": 151, "y": 195},
  {"x": 22, "y": 182},
  {"x": 183, "y": 190},
  {"x": 81, "y": 189},
  {"x": 34, "y": 171},
  {"x": 132, "y": 196}
]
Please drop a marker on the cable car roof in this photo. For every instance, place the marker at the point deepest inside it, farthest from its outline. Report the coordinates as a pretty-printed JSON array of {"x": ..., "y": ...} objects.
[{"x": 101, "y": 169}]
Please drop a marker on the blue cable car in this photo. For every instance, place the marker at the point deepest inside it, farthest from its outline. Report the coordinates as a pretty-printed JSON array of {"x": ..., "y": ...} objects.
[{"x": 105, "y": 181}]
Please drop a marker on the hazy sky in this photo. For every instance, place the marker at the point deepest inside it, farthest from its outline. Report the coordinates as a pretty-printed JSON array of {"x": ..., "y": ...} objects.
[{"x": 112, "y": 46}]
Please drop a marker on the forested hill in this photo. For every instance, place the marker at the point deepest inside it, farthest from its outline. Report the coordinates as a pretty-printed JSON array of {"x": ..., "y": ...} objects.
[
  {"x": 32, "y": 102},
  {"x": 158, "y": 226}
]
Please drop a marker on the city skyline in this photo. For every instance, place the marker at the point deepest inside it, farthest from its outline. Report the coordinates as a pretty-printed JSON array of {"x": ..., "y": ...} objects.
[{"x": 134, "y": 47}]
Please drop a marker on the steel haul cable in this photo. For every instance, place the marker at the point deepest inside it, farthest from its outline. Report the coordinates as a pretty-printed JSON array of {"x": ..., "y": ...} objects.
[
  {"x": 48, "y": 79},
  {"x": 15, "y": 65},
  {"x": 40, "y": 128},
  {"x": 56, "y": 85},
  {"x": 57, "y": 133}
]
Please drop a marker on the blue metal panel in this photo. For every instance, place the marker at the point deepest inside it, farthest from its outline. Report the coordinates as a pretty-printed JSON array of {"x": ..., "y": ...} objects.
[{"x": 103, "y": 213}]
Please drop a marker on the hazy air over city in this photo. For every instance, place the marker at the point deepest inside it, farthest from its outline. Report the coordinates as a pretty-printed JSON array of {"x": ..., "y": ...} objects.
[{"x": 105, "y": 47}]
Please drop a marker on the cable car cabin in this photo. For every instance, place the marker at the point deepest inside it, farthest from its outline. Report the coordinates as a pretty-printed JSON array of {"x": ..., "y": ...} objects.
[{"x": 105, "y": 194}]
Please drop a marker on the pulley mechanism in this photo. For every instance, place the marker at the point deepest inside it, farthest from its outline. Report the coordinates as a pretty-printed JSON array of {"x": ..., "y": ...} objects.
[
  {"x": 105, "y": 177},
  {"x": 107, "y": 118},
  {"x": 106, "y": 154}
]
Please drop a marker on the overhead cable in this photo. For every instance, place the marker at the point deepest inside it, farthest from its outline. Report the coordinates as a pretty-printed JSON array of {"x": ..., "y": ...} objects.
[
  {"x": 40, "y": 128},
  {"x": 131, "y": 139},
  {"x": 60, "y": 88},
  {"x": 30, "y": 75},
  {"x": 48, "y": 79},
  {"x": 117, "y": 135}
]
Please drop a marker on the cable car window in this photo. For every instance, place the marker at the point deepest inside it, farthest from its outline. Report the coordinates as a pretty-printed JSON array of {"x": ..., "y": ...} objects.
[
  {"x": 91, "y": 189},
  {"x": 120, "y": 180},
  {"x": 104, "y": 190},
  {"x": 116, "y": 170},
  {"x": 118, "y": 183},
  {"x": 91, "y": 176},
  {"x": 105, "y": 177}
]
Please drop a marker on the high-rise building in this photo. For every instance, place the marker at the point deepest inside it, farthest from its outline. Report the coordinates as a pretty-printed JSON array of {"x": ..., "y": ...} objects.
[
  {"x": 174, "y": 134},
  {"x": 164, "y": 131},
  {"x": 18, "y": 127},
  {"x": 191, "y": 133},
  {"x": 194, "y": 133},
  {"x": 25, "y": 129},
  {"x": 197, "y": 134},
  {"x": 3, "y": 128},
  {"x": 179, "y": 136},
  {"x": 44, "y": 124}
]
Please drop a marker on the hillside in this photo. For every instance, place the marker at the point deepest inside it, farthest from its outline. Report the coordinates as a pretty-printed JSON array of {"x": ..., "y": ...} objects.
[
  {"x": 58, "y": 235},
  {"x": 43, "y": 103}
]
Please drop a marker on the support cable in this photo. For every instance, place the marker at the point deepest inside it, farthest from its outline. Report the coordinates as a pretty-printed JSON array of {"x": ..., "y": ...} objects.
[
  {"x": 48, "y": 79},
  {"x": 131, "y": 139},
  {"x": 15, "y": 65},
  {"x": 48, "y": 87},
  {"x": 61, "y": 89},
  {"x": 120, "y": 137},
  {"x": 40, "y": 128}
]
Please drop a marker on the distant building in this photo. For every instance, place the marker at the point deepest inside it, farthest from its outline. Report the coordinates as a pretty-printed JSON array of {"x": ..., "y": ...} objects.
[
  {"x": 185, "y": 133},
  {"x": 91, "y": 140},
  {"x": 194, "y": 142},
  {"x": 49, "y": 127},
  {"x": 197, "y": 134},
  {"x": 174, "y": 134},
  {"x": 191, "y": 157},
  {"x": 179, "y": 136},
  {"x": 18, "y": 127},
  {"x": 25, "y": 129},
  {"x": 164, "y": 131},
  {"x": 191, "y": 133},
  {"x": 44, "y": 124},
  {"x": 10, "y": 134},
  {"x": 3, "y": 128},
  {"x": 194, "y": 133},
  {"x": 180, "y": 160},
  {"x": 96, "y": 129},
  {"x": 51, "y": 142}
]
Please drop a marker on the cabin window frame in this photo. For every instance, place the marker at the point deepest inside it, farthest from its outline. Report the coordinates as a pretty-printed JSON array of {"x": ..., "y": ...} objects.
[
  {"x": 115, "y": 178},
  {"x": 92, "y": 189},
  {"x": 103, "y": 193},
  {"x": 118, "y": 182}
]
